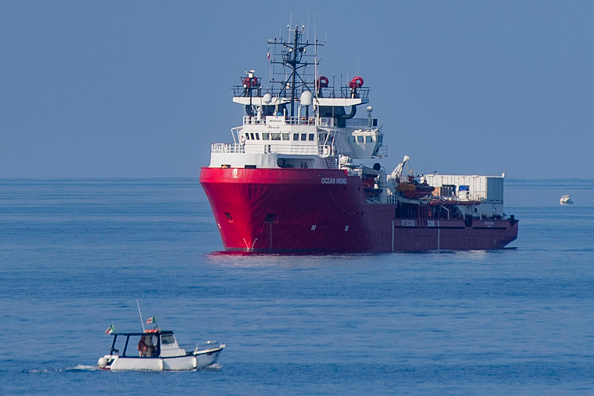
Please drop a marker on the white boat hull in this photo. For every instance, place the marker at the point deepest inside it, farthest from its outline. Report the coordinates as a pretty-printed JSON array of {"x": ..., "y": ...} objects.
[
  {"x": 176, "y": 363},
  {"x": 566, "y": 200},
  {"x": 206, "y": 358}
]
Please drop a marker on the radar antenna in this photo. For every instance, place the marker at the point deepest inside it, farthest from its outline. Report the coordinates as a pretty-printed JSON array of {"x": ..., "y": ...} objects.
[{"x": 293, "y": 58}]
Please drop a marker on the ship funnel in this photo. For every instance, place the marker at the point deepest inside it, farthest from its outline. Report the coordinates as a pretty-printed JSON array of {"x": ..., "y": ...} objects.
[{"x": 306, "y": 98}]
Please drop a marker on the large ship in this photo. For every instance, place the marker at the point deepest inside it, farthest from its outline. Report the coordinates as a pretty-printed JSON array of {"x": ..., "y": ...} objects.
[{"x": 301, "y": 177}]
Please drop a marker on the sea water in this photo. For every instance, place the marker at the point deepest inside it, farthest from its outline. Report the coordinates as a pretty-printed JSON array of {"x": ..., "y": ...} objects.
[{"x": 75, "y": 255}]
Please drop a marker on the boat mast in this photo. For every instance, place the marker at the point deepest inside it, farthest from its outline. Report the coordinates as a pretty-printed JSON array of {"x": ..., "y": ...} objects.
[
  {"x": 293, "y": 63},
  {"x": 293, "y": 57},
  {"x": 140, "y": 314}
]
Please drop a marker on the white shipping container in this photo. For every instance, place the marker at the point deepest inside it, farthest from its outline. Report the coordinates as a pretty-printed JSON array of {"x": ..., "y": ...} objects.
[
  {"x": 483, "y": 188},
  {"x": 495, "y": 189}
]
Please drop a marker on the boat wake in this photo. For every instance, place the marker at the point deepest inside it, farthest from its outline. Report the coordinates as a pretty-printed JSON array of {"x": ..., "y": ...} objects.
[
  {"x": 212, "y": 367},
  {"x": 83, "y": 367},
  {"x": 80, "y": 367}
]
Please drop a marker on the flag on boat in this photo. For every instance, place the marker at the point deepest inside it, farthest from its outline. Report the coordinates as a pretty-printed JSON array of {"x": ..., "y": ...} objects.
[
  {"x": 110, "y": 329},
  {"x": 152, "y": 319}
]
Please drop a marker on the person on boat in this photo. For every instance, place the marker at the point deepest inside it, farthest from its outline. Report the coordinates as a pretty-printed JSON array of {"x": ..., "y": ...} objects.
[{"x": 145, "y": 346}]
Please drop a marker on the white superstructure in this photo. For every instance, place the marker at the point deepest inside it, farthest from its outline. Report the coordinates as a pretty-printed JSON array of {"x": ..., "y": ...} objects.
[{"x": 299, "y": 122}]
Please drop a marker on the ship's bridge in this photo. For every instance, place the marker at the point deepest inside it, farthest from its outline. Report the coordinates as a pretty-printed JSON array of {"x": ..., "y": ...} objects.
[
  {"x": 297, "y": 123},
  {"x": 298, "y": 142}
]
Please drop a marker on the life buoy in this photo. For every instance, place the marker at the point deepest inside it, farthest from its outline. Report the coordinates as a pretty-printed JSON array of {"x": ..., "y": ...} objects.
[
  {"x": 322, "y": 82},
  {"x": 250, "y": 82},
  {"x": 356, "y": 82}
]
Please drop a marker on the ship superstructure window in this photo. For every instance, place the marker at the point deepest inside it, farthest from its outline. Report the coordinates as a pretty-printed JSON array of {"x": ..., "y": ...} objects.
[
  {"x": 276, "y": 136},
  {"x": 304, "y": 136},
  {"x": 265, "y": 136},
  {"x": 295, "y": 136},
  {"x": 257, "y": 136},
  {"x": 285, "y": 136},
  {"x": 351, "y": 139},
  {"x": 247, "y": 136},
  {"x": 252, "y": 135},
  {"x": 167, "y": 340},
  {"x": 311, "y": 137},
  {"x": 359, "y": 139},
  {"x": 368, "y": 139}
]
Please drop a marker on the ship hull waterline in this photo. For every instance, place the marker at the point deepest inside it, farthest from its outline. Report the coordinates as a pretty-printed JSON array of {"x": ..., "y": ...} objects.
[{"x": 325, "y": 211}]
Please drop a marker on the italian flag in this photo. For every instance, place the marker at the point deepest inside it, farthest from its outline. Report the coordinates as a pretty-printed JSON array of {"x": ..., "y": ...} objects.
[
  {"x": 152, "y": 320},
  {"x": 110, "y": 329}
]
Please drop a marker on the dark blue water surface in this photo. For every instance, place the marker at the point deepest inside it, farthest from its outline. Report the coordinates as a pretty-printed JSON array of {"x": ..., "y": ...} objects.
[{"x": 76, "y": 254}]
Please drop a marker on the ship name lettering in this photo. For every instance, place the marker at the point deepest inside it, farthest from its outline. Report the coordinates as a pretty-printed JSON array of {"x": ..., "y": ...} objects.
[
  {"x": 332, "y": 180},
  {"x": 408, "y": 223}
]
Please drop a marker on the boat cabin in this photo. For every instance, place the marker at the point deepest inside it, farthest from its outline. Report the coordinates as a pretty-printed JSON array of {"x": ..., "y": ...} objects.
[{"x": 151, "y": 343}]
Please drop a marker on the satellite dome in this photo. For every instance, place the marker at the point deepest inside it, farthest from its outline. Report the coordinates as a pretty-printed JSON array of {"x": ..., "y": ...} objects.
[{"x": 306, "y": 98}]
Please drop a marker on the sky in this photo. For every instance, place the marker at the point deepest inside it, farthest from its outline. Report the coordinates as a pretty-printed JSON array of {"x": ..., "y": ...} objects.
[{"x": 93, "y": 89}]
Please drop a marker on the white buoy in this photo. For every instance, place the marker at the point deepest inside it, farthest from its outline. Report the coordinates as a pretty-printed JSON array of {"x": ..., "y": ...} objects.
[{"x": 102, "y": 362}]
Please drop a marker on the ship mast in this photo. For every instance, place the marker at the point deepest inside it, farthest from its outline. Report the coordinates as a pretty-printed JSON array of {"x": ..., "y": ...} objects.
[
  {"x": 293, "y": 57},
  {"x": 293, "y": 64}
]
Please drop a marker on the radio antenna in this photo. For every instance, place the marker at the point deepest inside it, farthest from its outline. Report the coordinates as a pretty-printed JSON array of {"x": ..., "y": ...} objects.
[{"x": 140, "y": 314}]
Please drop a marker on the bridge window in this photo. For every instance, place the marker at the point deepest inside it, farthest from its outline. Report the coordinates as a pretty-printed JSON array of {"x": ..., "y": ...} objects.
[
  {"x": 312, "y": 137},
  {"x": 368, "y": 139},
  {"x": 257, "y": 136},
  {"x": 359, "y": 139},
  {"x": 252, "y": 136},
  {"x": 285, "y": 136},
  {"x": 304, "y": 136},
  {"x": 247, "y": 136},
  {"x": 295, "y": 136},
  {"x": 276, "y": 136},
  {"x": 265, "y": 136},
  {"x": 351, "y": 139}
]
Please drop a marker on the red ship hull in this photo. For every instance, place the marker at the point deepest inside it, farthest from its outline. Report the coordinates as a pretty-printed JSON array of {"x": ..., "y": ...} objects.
[{"x": 324, "y": 210}]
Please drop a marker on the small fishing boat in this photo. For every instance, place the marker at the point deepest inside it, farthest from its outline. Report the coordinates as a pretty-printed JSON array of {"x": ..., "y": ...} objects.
[
  {"x": 565, "y": 200},
  {"x": 157, "y": 350}
]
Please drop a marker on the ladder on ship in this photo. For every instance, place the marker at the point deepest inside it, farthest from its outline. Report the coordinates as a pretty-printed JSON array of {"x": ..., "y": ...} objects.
[{"x": 331, "y": 163}]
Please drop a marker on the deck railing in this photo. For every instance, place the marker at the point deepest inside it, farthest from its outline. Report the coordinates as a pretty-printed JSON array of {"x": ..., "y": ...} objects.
[
  {"x": 328, "y": 122},
  {"x": 329, "y": 92},
  {"x": 321, "y": 150},
  {"x": 207, "y": 346}
]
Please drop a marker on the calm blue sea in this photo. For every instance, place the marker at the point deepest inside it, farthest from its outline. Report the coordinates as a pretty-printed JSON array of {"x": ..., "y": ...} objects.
[{"x": 76, "y": 254}]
